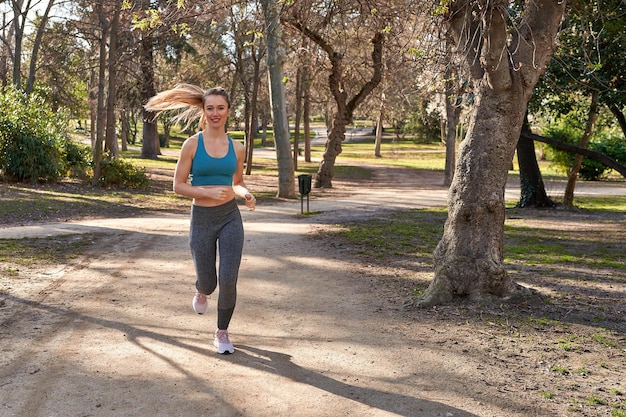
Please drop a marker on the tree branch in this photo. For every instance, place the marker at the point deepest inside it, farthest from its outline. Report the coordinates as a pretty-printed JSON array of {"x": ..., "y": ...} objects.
[
  {"x": 377, "y": 60},
  {"x": 596, "y": 156}
]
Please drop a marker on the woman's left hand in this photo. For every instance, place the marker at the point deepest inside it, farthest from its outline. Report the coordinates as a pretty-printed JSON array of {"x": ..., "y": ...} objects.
[{"x": 250, "y": 201}]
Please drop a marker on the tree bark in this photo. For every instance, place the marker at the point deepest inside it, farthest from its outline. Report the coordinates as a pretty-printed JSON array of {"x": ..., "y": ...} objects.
[
  {"x": 532, "y": 189},
  {"x": 568, "y": 197},
  {"x": 453, "y": 112},
  {"x": 286, "y": 180},
  {"x": 468, "y": 261}
]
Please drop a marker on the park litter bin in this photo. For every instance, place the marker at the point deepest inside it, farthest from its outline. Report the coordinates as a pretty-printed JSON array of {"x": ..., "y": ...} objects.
[{"x": 304, "y": 185}]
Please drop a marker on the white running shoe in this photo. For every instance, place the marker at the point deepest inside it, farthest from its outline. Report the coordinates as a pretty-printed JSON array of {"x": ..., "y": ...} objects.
[
  {"x": 200, "y": 303},
  {"x": 222, "y": 343}
]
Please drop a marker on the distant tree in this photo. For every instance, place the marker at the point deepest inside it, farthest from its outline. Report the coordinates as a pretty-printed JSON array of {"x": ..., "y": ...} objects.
[
  {"x": 286, "y": 180},
  {"x": 320, "y": 21}
]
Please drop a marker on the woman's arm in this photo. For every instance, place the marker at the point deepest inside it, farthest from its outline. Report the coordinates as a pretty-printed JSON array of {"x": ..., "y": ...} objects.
[{"x": 239, "y": 187}]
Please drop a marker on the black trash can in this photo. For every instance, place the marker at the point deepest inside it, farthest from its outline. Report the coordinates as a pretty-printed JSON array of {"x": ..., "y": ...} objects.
[{"x": 304, "y": 183}]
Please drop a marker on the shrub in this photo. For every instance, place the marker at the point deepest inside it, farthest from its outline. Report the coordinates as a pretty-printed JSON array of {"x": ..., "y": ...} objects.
[
  {"x": 120, "y": 172},
  {"x": 77, "y": 159},
  {"x": 605, "y": 142},
  {"x": 32, "y": 137}
]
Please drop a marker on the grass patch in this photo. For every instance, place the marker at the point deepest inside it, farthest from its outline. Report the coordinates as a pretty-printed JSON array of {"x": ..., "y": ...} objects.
[
  {"x": 414, "y": 234},
  {"x": 602, "y": 339},
  {"x": 560, "y": 369},
  {"x": 27, "y": 253},
  {"x": 28, "y": 203}
]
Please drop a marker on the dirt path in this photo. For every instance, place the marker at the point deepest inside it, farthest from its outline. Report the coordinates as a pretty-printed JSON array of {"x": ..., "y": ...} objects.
[{"x": 113, "y": 333}]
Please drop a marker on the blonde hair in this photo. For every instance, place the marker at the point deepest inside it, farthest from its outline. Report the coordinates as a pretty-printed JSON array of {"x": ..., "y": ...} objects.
[{"x": 184, "y": 96}]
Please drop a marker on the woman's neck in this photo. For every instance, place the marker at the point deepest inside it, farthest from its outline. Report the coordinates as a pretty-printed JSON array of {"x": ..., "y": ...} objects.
[{"x": 214, "y": 134}]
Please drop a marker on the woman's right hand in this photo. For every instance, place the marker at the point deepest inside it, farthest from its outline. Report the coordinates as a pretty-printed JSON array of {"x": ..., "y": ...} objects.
[{"x": 217, "y": 193}]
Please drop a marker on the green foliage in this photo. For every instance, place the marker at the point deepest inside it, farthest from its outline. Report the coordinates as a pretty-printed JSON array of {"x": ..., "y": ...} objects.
[
  {"x": 423, "y": 124},
  {"x": 568, "y": 129},
  {"x": 610, "y": 145},
  {"x": 77, "y": 158},
  {"x": 34, "y": 142},
  {"x": 119, "y": 172}
]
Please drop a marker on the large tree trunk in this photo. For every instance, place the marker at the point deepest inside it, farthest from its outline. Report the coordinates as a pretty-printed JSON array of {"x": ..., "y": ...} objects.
[
  {"x": 532, "y": 190},
  {"x": 286, "y": 180},
  {"x": 468, "y": 261},
  {"x": 568, "y": 197}
]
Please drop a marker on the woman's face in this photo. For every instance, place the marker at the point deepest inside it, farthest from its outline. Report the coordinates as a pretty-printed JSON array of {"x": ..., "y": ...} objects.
[{"x": 216, "y": 110}]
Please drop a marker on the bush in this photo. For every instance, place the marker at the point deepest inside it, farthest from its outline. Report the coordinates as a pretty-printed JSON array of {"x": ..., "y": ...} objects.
[
  {"x": 120, "y": 172},
  {"x": 33, "y": 138},
  {"x": 424, "y": 124},
  {"x": 77, "y": 159},
  {"x": 569, "y": 130},
  {"x": 612, "y": 146}
]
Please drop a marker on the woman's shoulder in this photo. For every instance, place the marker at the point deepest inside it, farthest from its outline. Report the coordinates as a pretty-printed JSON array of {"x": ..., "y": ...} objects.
[
  {"x": 192, "y": 140},
  {"x": 190, "y": 144},
  {"x": 238, "y": 147},
  {"x": 236, "y": 144}
]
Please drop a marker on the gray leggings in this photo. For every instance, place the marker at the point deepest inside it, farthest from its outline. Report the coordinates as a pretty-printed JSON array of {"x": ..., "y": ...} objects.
[{"x": 212, "y": 229}]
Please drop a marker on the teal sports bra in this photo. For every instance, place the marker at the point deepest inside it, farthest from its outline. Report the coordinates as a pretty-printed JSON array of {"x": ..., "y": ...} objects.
[{"x": 206, "y": 170}]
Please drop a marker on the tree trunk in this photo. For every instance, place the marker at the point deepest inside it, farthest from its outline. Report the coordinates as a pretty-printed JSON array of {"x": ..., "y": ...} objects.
[
  {"x": 619, "y": 115},
  {"x": 36, "y": 45},
  {"x": 453, "y": 112},
  {"x": 298, "y": 118},
  {"x": 111, "y": 135},
  {"x": 150, "y": 138},
  {"x": 379, "y": 127},
  {"x": 568, "y": 197},
  {"x": 254, "y": 124},
  {"x": 532, "y": 190},
  {"x": 19, "y": 22},
  {"x": 125, "y": 129},
  {"x": 306, "y": 115},
  {"x": 101, "y": 109},
  {"x": 286, "y": 180},
  {"x": 468, "y": 261}
]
